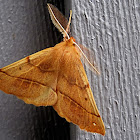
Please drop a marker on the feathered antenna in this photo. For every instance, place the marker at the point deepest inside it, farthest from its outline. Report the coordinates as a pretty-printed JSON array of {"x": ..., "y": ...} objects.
[
  {"x": 68, "y": 25},
  {"x": 55, "y": 21}
]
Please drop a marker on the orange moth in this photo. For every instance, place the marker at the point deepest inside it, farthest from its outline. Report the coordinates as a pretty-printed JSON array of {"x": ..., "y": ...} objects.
[{"x": 56, "y": 77}]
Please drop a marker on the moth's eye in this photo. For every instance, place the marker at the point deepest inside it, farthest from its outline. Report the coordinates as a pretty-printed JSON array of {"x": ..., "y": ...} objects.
[
  {"x": 86, "y": 99},
  {"x": 66, "y": 37}
]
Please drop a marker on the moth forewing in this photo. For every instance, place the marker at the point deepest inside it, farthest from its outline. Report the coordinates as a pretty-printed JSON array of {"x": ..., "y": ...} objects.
[
  {"x": 86, "y": 56},
  {"x": 55, "y": 76}
]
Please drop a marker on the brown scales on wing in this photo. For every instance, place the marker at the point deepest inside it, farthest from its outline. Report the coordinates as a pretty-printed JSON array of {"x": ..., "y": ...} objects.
[
  {"x": 55, "y": 77},
  {"x": 62, "y": 84}
]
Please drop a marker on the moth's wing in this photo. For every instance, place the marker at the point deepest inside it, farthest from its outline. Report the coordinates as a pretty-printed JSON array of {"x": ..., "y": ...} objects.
[
  {"x": 33, "y": 79},
  {"x": 75, "y": 98},
  {"x": 90, "y": 55}
]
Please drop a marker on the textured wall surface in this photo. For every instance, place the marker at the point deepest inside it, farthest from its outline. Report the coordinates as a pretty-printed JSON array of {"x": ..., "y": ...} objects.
[
  {"x": 112, "y": 29},
  {"x": 25, "y": 28}
]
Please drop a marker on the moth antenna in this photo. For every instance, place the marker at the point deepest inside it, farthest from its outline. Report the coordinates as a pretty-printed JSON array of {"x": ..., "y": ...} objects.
[
  {"x": 57, "y": 23},
  {"x": 68, "y": 26},
  {"x": 87, "y": 59}
]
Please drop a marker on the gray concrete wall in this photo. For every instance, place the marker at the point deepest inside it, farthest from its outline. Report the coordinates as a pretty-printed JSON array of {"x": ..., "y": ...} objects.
[{"x": 112, "y": 29}]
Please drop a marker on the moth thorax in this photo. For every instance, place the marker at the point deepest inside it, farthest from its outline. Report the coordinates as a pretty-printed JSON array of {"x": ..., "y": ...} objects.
[{"x": 71, "y": 41}]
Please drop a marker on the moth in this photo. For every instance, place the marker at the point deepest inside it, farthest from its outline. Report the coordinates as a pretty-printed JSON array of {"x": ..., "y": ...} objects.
[{"x": 56, "y": 77}]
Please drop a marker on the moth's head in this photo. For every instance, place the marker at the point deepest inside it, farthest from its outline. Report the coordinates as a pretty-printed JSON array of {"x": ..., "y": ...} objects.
[{"x": 71, "y": 41}]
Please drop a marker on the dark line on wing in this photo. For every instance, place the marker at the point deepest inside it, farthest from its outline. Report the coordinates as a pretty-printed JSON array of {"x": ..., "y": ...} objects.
[
  {"x": 77, "y": 103},
  {"x": 41, "y": 69},
  {"x": 84, "y": 87},
  {"x": 23, "y": 78}
]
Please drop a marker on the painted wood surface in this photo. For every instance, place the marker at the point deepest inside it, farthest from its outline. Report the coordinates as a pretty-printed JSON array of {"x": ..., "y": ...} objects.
[{"x": 112, "y": 30}]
